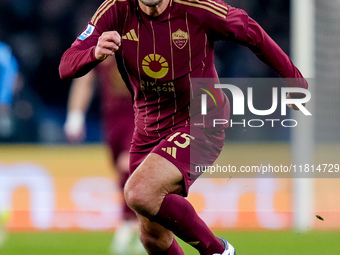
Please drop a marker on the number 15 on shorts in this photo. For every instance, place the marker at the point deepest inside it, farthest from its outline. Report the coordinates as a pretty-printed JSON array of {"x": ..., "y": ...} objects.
[{"x": 182, "y": 140}]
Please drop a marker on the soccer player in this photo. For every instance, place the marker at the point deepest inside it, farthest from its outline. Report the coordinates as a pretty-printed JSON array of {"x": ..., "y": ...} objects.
[
  {"x": 9, "y": 71},
  {"x": 160, "y": 45},
  {"x": 118, "y": 126}
]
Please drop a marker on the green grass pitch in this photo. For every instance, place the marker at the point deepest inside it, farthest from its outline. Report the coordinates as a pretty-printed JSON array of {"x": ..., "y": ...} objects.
[{"x": 246, "y": 243}]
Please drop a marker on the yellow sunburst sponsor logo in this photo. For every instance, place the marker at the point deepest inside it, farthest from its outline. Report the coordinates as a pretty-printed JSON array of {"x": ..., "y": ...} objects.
[{"x": 155, "y": 66}]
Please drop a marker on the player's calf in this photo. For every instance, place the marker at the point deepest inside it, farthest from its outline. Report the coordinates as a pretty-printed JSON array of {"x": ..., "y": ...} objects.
[
  {"x": 155, "y": 243},
  {"x": 157, "y": 239}
]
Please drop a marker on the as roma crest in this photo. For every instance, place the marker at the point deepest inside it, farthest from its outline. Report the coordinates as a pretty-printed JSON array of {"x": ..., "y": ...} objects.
[{"x": 180, "y": 38}]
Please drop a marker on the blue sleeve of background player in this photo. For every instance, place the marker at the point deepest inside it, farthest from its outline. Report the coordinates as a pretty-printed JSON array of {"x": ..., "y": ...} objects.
[{"x": 8, "y": 74}]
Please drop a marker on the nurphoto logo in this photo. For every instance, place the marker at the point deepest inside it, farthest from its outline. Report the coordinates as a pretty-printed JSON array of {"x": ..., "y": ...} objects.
[{"x": 240, "y": 101}]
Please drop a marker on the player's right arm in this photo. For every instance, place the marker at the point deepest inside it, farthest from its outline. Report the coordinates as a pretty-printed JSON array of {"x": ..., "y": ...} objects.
[
  {"x": 98, "y": 41},
  {"x": 108, "y": 43},
  {"x": 85, "y": 54}
]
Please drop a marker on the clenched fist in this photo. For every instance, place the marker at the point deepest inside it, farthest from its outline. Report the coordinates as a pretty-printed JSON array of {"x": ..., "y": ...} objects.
[{"x": 107, "y": 44}]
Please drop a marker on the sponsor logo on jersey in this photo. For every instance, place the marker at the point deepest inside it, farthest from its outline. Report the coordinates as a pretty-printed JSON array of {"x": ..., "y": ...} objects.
[
  {"x": 157, "y": 86},
  {"x": 155, "y": 66},
  {"x": 131, "y": 35},
  {"x": 180, "y": 38},
  {"x": 88, "y": 31}
]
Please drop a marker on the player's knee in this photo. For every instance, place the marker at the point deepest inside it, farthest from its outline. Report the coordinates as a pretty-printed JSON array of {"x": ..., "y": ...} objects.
[
  {"x": 138, "y": 199},
  {"x": 132, "y": 198}
]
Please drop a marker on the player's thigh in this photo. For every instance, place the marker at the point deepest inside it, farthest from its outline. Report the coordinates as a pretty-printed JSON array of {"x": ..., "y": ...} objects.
[
  {"x": 154, "y": 236},
  {"x": 153, "y": 179}
]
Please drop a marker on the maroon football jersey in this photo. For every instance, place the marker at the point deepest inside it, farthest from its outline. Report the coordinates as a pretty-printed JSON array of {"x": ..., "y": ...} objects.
[{"x": 160, "y": 55}]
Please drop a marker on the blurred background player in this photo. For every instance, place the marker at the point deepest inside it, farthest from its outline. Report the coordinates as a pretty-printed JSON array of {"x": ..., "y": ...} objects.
[
  {"x": 118, "y": 126},
  {"x": 8, "y": 77},
  {"x": 9, "y": 70}
]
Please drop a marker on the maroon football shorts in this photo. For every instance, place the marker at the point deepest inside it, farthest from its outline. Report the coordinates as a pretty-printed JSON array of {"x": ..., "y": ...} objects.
[{"x": 185, "y": 147}]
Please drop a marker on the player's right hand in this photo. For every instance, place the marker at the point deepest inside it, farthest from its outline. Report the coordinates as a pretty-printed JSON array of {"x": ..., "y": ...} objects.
[{"x": 107, "y": 44}]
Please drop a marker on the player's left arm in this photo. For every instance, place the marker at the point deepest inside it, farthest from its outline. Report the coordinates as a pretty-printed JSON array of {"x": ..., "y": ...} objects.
[
  {"x": 238, "y": 27},
  {"x": 268, "y": 51}
]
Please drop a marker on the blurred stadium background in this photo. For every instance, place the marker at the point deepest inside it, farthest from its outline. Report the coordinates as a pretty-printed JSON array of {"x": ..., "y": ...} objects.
[{"x": 60, "y": 199}]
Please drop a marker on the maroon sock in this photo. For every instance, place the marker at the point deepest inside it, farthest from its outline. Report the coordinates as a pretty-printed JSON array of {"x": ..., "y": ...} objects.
[{"x": 178, "y": 215}]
